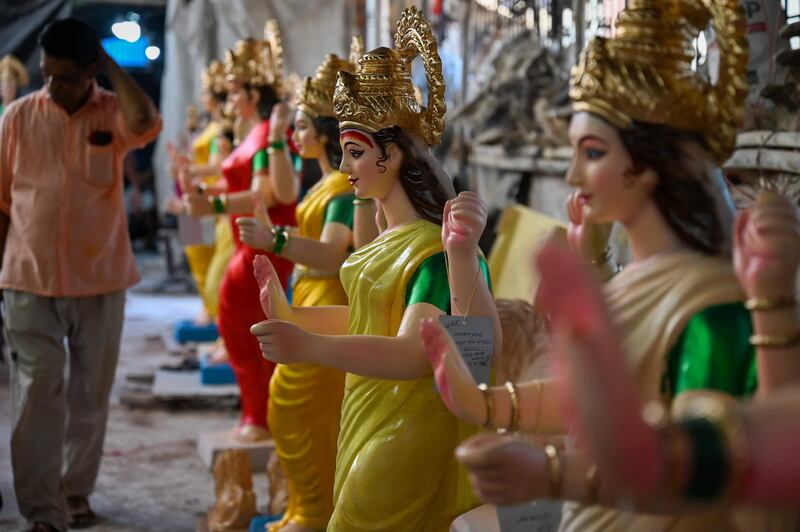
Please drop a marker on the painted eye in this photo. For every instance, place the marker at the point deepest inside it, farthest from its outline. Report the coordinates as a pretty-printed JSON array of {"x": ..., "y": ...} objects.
[
  {"x": 594, "y": 154},
  {"x": 355, "y": 154}
]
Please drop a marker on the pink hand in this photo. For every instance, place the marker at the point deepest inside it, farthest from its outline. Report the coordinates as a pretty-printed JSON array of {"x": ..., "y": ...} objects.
[
  {"x": 597, "y": 381},
  {"x": 767, "y": 247},
  {"x": 265, "y": 274}
]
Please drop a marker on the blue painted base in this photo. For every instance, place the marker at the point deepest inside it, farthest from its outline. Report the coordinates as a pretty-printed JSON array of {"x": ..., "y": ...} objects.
[
  {"x": 216, "y": 373},
  {"x": 188, "y": 331},
  {"x": 259, "y": 522}
]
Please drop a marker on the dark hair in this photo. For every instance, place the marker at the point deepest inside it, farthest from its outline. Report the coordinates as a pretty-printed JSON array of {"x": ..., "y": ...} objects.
[
  {"x": 329, "y": 127},
  {"x": 73, "y": 39},
  {"x": 267, "y": 98},
  {"x": 220, "y": 96},
  {"x": 419, "y": 179},
  {"x": 681, "y": 194}
]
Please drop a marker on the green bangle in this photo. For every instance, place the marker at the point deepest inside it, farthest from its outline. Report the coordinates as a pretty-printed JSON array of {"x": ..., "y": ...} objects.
[
  {"x": 218, "y": 204},
  {"x": 711, "y": 465},
  {"x": 277, "y": 145},
  {"x": 279, "y": 240}
]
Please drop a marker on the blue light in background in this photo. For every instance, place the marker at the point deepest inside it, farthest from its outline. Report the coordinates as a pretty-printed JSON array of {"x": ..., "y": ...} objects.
[{"x": 127, "y": 54}]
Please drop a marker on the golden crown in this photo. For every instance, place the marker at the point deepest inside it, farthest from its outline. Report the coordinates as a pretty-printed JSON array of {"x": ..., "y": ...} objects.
[
  {"x": 381, "y": 94},
  {"x": 214, "y": 77},
  {"x": 244, "y": 63},
  {"x": 257, "y": 62},
  {"x": 644, "y": 73},
  {"x": 11, "y": 67},
  {"x": 273, "y": 54},
  {"x": 315, "y": 95}
]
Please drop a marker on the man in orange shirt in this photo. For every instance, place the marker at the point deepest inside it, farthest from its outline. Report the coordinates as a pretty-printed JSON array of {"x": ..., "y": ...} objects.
[{"x": 66, "y": 264}]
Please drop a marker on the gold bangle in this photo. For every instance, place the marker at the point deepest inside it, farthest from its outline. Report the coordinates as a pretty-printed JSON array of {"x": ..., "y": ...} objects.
[
  {"x": 775, "y": 341},
  {"x": 512, "y": 392},
  {"x": 777, "y": 303},
  {"x": 274, "y": 231},
  {"x": 604, "y": 258},
  {"x": 487, "y": 398},
  {"x": 553, "y": 472},
  {"x": 592, "y": 485},
  {"x": 538, "y": 411},
  {"x": 287, "y": 235}
]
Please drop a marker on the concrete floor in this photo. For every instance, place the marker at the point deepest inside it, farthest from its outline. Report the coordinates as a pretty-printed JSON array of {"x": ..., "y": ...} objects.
[{"x": 151, "y": 477}]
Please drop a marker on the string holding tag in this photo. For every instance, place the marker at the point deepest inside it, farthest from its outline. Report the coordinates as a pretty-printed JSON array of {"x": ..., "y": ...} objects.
[{"x": 472, "y": 293}]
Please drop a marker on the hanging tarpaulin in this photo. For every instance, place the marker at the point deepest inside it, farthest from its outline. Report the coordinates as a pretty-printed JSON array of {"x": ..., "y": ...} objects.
[{"x": 20, "y": 25}]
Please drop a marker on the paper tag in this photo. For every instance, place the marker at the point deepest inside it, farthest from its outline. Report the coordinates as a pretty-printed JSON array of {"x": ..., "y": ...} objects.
[
  {"x": 475, "y": 339},
  {"x": 209, "y": 229},
  {"x": 539, "y": 516},
  {"x": 194, "y": 231}
]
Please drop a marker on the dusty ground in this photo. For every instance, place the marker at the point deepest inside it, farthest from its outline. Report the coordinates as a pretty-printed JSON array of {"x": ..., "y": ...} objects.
[{"x": 151, "y": 478}]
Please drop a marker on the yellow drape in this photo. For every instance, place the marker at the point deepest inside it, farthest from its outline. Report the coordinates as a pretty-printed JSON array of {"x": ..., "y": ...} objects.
[{"x": 395, "y": 470}]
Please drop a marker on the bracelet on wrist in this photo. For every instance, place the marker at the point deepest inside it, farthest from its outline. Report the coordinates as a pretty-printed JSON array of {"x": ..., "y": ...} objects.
[
  {"x": 715, "y": 434},
  {"x": 280, "y": 239},
  {"x": 592, "y": 486},
  {"x": 775, "y": 303},
  {"x": 603, "y": 259},
  {"x": 277, "y": 145},
  {"x": 487, "y": 397},
  {"x": 775, "y": 341},
  {"x": 513, "y": 423},
  {"x": 363, "y": 201},
  {"x": 219, "y": 204},
  {"x": 554, "y": 473}
]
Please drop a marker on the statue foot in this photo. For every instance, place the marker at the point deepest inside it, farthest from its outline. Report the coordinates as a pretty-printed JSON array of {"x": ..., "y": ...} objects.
[{"x": 251, "y": 434}]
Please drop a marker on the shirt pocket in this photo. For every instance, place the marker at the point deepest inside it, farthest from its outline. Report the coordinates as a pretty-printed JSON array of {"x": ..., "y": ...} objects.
[{"x": 100, "y": 165}]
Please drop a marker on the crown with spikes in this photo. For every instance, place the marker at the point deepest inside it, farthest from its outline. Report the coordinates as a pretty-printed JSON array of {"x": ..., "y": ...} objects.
[
  {"x": 214, "y": 77},
  {"x": 644, "y": 72},
  {"x": 381, "y": 94},
  {"x": 315, "y": 96},
  {"x": 244, "y": 63},
  {"x": 273, "y": 54},
  {"x": 10, "y": 67}
]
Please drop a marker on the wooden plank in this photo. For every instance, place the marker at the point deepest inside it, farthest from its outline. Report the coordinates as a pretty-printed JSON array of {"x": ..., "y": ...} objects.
[
  {"x": 186, "y": 385},
  {"x": 766, "y": 160},
  {"x": 768, "y": 139},
  {"x": 211, "y": 443}
]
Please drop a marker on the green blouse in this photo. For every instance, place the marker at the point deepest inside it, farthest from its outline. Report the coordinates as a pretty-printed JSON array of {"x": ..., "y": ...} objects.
[
  {"x": 430, "y": 283},
  {"x": 341, "y": 210},
  {"x": 713, "y": 352}
]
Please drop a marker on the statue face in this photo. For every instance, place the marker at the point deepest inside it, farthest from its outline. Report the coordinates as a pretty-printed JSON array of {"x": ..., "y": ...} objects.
[
  {"x": 210, "y": 102},
  {"x": 309, "y": 143},
  {"x": 243, "y": 101},
  {"x": 600, "y": 171},
  {"x": 362, "y": 159}
]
